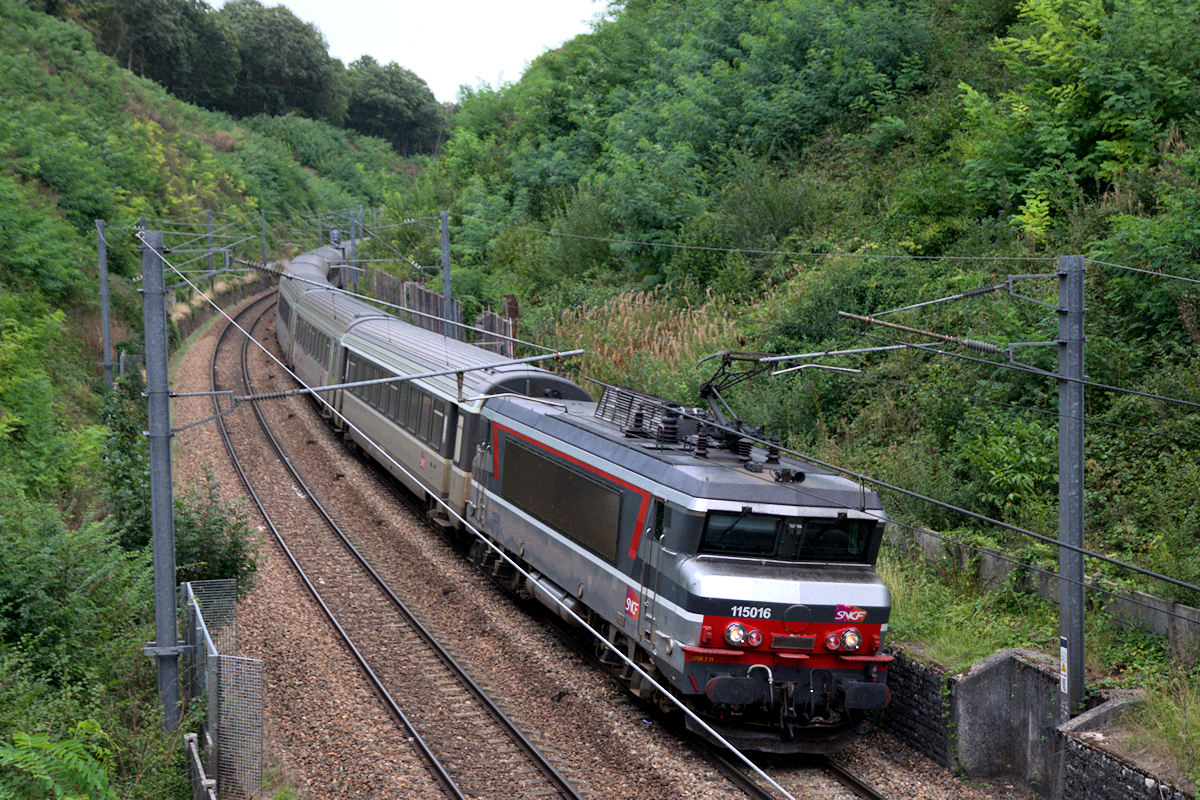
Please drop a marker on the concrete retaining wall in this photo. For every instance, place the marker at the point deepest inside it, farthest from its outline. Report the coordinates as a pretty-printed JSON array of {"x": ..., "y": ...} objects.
[{"x": 1000, "y": 719}]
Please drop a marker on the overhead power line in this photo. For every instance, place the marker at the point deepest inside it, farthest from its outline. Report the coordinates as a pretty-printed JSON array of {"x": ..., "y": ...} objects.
[{"x": 1155, "y": 273}]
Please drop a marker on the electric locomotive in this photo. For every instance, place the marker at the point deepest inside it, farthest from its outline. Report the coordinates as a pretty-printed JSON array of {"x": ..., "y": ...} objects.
[{"x": 741, "y": 579}]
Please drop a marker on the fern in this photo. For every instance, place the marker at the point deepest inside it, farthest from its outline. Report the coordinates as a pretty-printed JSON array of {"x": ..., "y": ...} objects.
[{"x": 32, "y": 767}]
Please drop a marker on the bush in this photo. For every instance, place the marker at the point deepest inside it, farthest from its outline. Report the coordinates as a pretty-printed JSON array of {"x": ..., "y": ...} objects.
[{"x": 212, "y": 539}]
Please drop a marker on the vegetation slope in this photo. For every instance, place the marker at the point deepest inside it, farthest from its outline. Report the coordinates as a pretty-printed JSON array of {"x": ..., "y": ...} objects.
[{"x": 84, "y": 139}]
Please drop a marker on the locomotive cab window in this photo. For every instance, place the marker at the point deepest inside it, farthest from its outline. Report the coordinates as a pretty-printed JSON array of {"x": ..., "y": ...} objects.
[{"x": 743, "y": 533}]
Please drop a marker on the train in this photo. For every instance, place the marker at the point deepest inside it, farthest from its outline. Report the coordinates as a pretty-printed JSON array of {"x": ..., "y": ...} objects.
[{"x": 740, "y": 580}]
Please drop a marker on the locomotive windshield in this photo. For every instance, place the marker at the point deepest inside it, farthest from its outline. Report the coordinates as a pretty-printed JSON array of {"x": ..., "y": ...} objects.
[{"x": 734, "y": 533}]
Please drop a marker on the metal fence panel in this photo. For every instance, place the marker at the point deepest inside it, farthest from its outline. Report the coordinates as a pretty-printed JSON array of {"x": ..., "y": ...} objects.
[
  {"x": 239, "y": 771},
  {"x": 230, "y": 744}
]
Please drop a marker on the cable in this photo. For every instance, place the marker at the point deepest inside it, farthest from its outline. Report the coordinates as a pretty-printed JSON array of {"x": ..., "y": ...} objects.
[
  {"x": 921, "y": 386},
  {"x": 1143, "y": 271},
  {"x": 1018, "y": 367}
]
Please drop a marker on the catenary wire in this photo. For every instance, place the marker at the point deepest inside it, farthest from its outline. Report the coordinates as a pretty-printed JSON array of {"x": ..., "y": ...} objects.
[{"x": 1155, "y": 273}]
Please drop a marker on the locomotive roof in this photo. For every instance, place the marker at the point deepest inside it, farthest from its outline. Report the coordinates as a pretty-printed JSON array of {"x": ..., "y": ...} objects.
[{"x": 721, "y": 476}]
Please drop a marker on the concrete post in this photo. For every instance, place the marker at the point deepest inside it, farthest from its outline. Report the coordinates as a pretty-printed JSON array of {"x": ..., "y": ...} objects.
[
  {"x": 263, "y": 233},
  {"x": 105, "y": 322},
  {"x": 1070, "y": 482},
  {"x": 162, "y": 511}
]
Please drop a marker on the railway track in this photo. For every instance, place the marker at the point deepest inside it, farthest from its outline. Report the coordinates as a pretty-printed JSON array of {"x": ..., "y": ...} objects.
[
  {"x": 471, "y": 748},
  {"x": 797, "y": 779}
]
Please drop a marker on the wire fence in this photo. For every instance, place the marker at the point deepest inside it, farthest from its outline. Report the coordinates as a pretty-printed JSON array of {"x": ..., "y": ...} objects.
[{"x": 229, "y": 689}]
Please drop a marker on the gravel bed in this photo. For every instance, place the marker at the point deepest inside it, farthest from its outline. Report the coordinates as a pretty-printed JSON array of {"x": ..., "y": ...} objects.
[{"x": 326, "y": 732}]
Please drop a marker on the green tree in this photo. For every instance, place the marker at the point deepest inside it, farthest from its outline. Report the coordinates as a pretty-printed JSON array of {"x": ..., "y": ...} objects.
[
  {"x": 393, "y": 103},
  {"x": 285, "y": 64},
  {"x": 1096, "y": 88}
]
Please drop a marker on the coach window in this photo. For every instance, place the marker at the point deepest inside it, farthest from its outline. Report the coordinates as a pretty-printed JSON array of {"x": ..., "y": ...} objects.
[
  {"x": 426, "y": 415},
  {"x": 437, "y": 429},
  {"x": 414, "y": 410},
  {"x": 405, "y": 398}
]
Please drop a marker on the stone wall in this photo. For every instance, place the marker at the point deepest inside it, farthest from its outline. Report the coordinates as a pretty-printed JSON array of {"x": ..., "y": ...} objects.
[
  {"x": 919, "y": 714},
  {"x": 1092, "y": 774}
]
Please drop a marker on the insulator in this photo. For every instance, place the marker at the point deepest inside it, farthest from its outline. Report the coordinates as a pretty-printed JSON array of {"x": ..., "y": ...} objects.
[
  {"x": 637, "y": 419},
  {"x": 702, "y": 445},
  {"x": 744, "y": 448},
  {"x": 668, "y": 430},
  {"x": 773, "y": 452}
]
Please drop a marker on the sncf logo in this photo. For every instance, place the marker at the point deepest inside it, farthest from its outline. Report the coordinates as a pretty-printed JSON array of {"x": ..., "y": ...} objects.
[
  {"x": 849, "y": 614},
  {"x": 631, "y": 602}
]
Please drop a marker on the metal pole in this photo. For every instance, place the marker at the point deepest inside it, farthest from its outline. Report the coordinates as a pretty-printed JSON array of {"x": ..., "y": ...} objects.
[
  {"x": 212, "y": 280},
  {"x": 162, "y": 513},
  {"x": 1070, "y": 482},
  {"x": 447, "y": 306},
  {"x": 320, "y": 232},
  {"x": 105, "y": 324},
  {"x": 358, "y": 232},
  {"x": 263, "y": 214}
]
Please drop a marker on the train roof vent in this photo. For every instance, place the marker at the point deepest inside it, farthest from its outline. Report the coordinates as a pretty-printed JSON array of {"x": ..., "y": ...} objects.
[{"x": 635, "y": 413}]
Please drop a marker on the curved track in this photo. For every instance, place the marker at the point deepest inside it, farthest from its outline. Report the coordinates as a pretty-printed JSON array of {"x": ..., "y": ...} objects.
[{"x": 471, "y": 747}]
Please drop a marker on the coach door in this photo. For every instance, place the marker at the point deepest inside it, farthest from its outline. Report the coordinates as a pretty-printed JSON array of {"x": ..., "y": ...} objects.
[{"x": 650, "y": 552}]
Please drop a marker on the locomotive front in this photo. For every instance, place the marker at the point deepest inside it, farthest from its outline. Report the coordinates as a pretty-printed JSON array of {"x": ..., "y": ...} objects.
[{"x": 788, "y": 618}]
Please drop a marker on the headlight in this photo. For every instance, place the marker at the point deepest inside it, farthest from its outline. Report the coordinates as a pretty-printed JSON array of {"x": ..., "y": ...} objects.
[
  {"x": 851, "y": 639},
  {"x": 833, "y": 642},
  {"x": 735, "y": 634}
]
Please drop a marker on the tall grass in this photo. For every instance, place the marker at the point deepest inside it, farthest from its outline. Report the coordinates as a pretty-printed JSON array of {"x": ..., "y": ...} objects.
[
  {"x": 1169, "y": 721},
  {"x": 649, "y": 340}
]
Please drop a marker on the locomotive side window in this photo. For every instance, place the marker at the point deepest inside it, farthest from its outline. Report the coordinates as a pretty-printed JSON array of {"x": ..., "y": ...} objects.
[
  {"x": 581, "y": 508},
  {"x": 285, "y": 312}
]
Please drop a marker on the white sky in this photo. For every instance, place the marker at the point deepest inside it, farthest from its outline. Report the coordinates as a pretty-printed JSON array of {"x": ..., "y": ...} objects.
[{"x": 448, "y": 42}]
